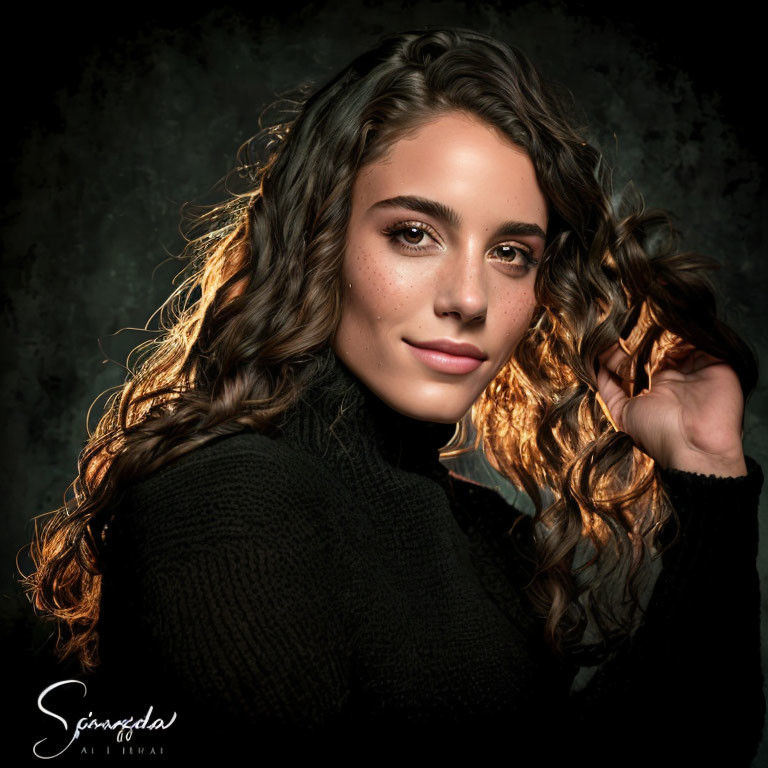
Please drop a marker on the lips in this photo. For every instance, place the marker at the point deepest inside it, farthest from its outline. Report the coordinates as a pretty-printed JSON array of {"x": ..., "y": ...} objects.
[{"x": 450, "y": 347}]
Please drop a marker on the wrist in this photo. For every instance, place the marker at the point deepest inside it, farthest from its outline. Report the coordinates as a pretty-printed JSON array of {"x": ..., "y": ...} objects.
[{"x": 722, "y": 465}]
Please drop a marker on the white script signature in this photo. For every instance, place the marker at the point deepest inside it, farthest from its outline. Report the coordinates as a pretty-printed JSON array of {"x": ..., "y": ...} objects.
[{"x": 86, "y": 723}]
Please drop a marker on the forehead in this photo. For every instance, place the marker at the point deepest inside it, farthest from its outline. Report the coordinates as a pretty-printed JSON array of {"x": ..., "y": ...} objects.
[{"x": 458, "y": 159}]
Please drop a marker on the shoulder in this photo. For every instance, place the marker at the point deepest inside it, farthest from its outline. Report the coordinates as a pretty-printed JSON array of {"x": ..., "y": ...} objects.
[
  {"x": 474, "y": 494},
  {"x": 480, "y": 506},
  {"x": 245, "y": 460},
  {"x": 236, "y": 487},
  {"x": 501, "y": 529}
]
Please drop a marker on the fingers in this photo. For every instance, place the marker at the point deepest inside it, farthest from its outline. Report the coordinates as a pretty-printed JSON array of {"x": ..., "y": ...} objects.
[
  {"x": 677, "y": 352},
  {"x": 670, "y": 353},
  {"x": 685, "y": 358},
  {"x": 611, "y": 392},
  {"x": 606, "y": 411},
  {"x": 620, "y": 363}
]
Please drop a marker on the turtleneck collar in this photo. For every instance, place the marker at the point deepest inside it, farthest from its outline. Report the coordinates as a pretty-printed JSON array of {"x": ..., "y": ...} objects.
[{"x": 338, "y": 412}]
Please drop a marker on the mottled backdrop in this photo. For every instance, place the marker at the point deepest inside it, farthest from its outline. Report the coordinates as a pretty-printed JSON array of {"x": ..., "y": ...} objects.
[{"x": 112, "y": 124}]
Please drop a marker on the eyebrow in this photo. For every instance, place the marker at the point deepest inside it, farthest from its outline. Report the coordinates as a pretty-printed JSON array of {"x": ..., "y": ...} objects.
[{"x": 449, "y": 216}]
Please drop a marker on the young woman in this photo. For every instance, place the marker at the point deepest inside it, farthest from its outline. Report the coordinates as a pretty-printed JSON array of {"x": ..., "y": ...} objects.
[{"x": 263, "y": 540}]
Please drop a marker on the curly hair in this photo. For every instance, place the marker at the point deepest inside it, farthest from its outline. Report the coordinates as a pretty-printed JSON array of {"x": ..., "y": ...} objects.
[{"x": 239, "y": 336}]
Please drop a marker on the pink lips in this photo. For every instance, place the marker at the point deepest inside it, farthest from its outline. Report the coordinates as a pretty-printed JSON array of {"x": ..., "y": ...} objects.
[{"x": 447, "y": 356}]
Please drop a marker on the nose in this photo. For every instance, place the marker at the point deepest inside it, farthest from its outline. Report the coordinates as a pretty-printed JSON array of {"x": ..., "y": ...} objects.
[{"x": 461, "y": 289}]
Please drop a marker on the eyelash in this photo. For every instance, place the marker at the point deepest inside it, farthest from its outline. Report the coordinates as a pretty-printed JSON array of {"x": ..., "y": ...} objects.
[{"x": 394, "y": 231}]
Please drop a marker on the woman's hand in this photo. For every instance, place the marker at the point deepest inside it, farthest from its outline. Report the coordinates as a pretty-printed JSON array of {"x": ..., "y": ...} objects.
[{"x": 690, "y": 419}]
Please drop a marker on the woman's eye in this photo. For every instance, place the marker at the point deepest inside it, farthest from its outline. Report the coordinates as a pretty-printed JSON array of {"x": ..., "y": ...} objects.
[
  {"x": 413, "y": 232},
  {"x": 511, "y": 252},
  {"x": 409, "y": 237},
  {"x": 412, "y": 237}
]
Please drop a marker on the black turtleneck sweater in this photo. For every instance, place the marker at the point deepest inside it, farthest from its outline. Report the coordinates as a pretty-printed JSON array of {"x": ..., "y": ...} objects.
[{"x": 335, "y": 586}]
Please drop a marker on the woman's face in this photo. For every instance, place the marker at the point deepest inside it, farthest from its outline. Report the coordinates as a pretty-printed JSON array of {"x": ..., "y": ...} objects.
[{"x": 441, "y": 248}]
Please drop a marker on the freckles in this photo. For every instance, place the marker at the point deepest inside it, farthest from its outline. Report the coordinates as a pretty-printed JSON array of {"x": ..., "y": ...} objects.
[
  {"x": 381, "y": 287},
  {"x": 513, "y": 315},
  {"x": 366, "y": 275},
  {"x": 372, "y": 265}
]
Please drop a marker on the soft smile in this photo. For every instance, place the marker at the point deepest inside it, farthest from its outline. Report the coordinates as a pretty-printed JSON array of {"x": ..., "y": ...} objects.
[{"x": 447, "y": 356}]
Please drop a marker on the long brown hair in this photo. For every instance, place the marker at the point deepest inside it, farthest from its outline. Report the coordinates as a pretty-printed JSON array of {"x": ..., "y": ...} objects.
[{"x": 262, "y": 295}]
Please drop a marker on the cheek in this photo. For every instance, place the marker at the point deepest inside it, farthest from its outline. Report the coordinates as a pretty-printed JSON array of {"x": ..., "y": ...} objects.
[
  {"x": 381, "y": 288},
  {"x": 366, "y": 287},
  {"x": 515, "y": 317}
]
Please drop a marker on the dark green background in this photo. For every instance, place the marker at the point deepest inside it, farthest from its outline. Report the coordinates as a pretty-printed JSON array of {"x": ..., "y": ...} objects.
[{"x": 111, "y": 124}]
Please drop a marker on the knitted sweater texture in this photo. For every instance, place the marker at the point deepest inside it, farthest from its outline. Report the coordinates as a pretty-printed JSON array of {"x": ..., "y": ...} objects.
[{"x": 334, "y": 586}]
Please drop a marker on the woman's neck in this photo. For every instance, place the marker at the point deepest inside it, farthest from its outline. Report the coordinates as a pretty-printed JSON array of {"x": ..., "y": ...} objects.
[{"x": 338, "y": 413}]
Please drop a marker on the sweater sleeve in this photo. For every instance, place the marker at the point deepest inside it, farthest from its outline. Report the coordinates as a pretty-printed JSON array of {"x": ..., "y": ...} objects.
[
  {"x": 221, "y": 599},
  {"x": 689, "y": 684}
]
